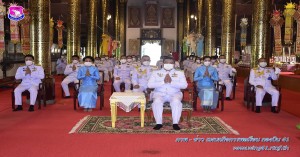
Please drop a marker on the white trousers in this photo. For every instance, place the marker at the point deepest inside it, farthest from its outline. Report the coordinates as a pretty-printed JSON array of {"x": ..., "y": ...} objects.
[
  {"x": 33, "y": 90},
  {"x": 65, "y": 82},
  {"x": 105, "y": 71},
  {"x": 260, "y": 93},
  {"x": 175, "y": 103},
  {"x": 228, "y": 84},
  {"x": 117, "y": 84}
]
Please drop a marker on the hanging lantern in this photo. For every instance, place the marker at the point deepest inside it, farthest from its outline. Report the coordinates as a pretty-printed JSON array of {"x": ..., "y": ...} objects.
[
  {"x": 276, "y": 22},
  {"x": 60, "y": 28},
  {"x": 288, "y": 14},
  {"x": 244, "y": 25},
  {"x": 25, "y": 33}
]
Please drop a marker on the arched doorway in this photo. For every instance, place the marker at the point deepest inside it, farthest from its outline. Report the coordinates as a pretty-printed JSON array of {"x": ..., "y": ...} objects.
[{"x": 151, "y": 42}]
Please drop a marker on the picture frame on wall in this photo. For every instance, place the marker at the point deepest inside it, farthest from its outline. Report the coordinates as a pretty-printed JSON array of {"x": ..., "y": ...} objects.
[
  {"x": 151, "y": 14},
  {"x": 167, "y": 18},
  {"x": 134, "y": 17}
]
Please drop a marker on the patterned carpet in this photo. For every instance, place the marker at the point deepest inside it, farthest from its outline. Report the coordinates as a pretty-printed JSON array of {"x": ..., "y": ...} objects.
[{"x": 131, "y": 125}]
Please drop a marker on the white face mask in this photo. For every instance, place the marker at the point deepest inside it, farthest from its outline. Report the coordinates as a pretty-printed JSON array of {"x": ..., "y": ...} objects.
[
  {"x": 168, "y": 67},
  {"x": 207, "y": 63},
  {"x": 213, "y": 61},
  {"x": 262, "y": 64},
  {"x": 103, "y": 59},
  {"x": 129, "y": 60},
  {"x": 222, "y": 60},
  {"x": 75, "y": 61},
  {"x": 28, "y": 63},
  {"x": 133, "y": 59},
  {"x": 146, "y": 63},
  {"x": 88, "y": 64},
  {"x": 97, "y": 61},
  {"x": 106, "y": 57},
  {"x": 123, "y": 61},
  {"x": 198, "y": 61}
]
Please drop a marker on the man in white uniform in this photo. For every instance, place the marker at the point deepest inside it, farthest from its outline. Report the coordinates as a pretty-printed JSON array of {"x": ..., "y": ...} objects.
[
  {"x": 224, "y": 71},
  {"x": 71, "y": 72},
  {"x": 160, "y": 63},
  {"x": 122, "y": 73},
  {"x": 261, "y": 78},
  {"x": 168, "y": 83},
  {"x": 102, "y": 66},
  {"x": 31, "y": 76},
  {"x": 109, "y": 63},
  {"x": 141, "y": 75},
  {"x": 61, "y": 65}
]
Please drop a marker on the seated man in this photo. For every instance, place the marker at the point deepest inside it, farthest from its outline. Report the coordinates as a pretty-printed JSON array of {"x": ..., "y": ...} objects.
[
  {"x": 160, "y": 63},
  {"x": 122, "y": 73},
  {"x": 167, "y": 83},
  {"x": 102, "y": 66},
  {"x": 141, "y": 75},
  {"x": 109, "y": 63},
  {"x": 136, "y": 64},
  {"x": 61, "y": 64},
  {"x": 31, "y": 76},
  {"x": 224, "y": 71},
  {"x": 71, "y": 72},
  {"x": 205, "y": 75},
  {"x": 261, "y": 77}
]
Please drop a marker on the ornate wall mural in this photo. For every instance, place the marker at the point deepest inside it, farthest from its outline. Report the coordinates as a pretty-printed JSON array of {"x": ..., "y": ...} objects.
[
  {"x": 151, "y": 14},
  {"x": 134, "y": 17},
  {"x": 167, "y": 18}
]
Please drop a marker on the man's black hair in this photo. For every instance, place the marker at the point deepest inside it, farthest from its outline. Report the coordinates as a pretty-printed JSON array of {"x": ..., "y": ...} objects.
[
  {"x": 29, "y": 55},
  {"x": 90, "y": 57}
]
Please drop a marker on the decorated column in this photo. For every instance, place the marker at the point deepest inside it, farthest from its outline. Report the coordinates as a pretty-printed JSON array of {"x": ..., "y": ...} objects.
[
  {"x": 104, "y": 18},
  {"x": 2, "y": 33},
  {"x": 244, "y": 26},
  {"x": 180, "y": 27},
  {"x": 199, "y": 16},
  {"x": 228, "y": 29},
  {"x": 73, "y": 27},
  {"x": 122, "y": 22},
  {"x": 297, "y": 18},
  {"x": 117, "y": 26},
  {"x": 51, "y": 32},
  {"x": 289, "y": 23},
  {"x": 187, "y": 18},
  {"x": 92, "y": 28},
  {"x": 276, "y": 22},
  {"x": 210, "y": 35},
  {"x": 260, "y": 30}
]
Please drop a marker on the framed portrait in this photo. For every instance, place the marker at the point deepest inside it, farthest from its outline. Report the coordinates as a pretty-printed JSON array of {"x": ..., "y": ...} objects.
[
  {"x": 134, "y": 47},
  {"x": 151, "y": 14},
  {"x": 167, "y": 18},
  {"x": 134, "y": 17}
]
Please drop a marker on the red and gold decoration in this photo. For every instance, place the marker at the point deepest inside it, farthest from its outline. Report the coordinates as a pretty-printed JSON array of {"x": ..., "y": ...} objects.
[
  {"x": 288, "y": 14},
  {"x": 116, "y": 47},
  {"x": 60, "y": 28},
  {"x": 51, "y": 24},
  {"x": 2, "y": 33},
  {"x": 106, "y": 45},
  {"x": 14, "y": 29},
  {"x": 297, "y": 18},
  {"x": 25, "y": 32},
  {"x": 276, "y": 22}
]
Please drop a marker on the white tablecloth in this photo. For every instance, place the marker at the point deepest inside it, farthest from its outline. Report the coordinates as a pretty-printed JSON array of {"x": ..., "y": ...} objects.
[{"x": 127, "y": 100}]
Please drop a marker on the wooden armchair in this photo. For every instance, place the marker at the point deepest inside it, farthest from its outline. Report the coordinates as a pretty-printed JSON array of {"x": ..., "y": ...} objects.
[
  {"x": 219, "y": 88},
  {"x": 100, "y": 92},
  {"x": 187, "y": 105},
  {"x": 40, "y": 96},
  {"x": 250, "y": 95}
]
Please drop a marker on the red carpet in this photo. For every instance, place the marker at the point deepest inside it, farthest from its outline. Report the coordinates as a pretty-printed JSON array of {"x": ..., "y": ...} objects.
[{"x": 44, "y": 133}]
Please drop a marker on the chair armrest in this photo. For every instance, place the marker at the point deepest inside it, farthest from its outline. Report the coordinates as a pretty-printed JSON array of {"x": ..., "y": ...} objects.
[
  {"x": 147, "y": 94},
  {"x": 76, "y": 86}
]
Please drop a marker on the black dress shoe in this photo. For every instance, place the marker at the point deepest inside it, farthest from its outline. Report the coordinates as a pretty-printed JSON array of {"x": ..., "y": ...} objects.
[
  {"x": 19, "y": 108},
  {"x": 273, "y": 109},
  {"x": 66, "y": 97},
  {"x": 31, "y": 108},
  {"x": 176, "y": 127},
  {"x": 257, "y": 109},
  {"x": 228, "y": 98},
  {"x": 158, "y": 126}
]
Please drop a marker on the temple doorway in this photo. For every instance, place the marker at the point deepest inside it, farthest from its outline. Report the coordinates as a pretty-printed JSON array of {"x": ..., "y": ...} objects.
[{"x": 152, "y": 49}]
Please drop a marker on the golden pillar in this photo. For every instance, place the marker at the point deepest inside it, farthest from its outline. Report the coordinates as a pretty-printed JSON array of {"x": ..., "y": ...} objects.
[
  {"x": 122, "y": 25},
  {"x": 180, "y": 26},
  {"x": 210, "y": 35},
  {"x": 199, "y": 16},
  {"x": 92, "y": 28},
  {"x": 39, "y": 33},
  {"x": 104, "y": 18},
  {"x": 260, "y": 30},
  {"x": 73, "y": 27},
  {"x": 117, "y": 26},
  {"x": 227, "y": 36},
  {"x": 188, "y": 21}
]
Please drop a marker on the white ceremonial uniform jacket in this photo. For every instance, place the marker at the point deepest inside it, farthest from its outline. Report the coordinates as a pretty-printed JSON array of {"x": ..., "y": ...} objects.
[
  {"x": 37, "y": 73},
  {"x": 123, "y": 71},
  {"x": 157, "y": 81},
  {"x": 224, "y": 71},
  {"x": 69, "y": 70},
  {"x": 141, "y": 75},
  {"x": 262, "y": 76},
  {"x": 102, "y": 65}
]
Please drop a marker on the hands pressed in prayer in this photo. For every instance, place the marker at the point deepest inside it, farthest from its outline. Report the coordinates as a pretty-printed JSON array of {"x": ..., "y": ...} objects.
[
  {"x": 259, "y": 86},
  {"x": 136, "y": 86},
  {"x": 87, "y": 73},
  {"x": 74, "y": 67},
  {"x": 117, "y": 78},
  {"x": 168, "y": 79},
  {"x": 28, "y": 71},
  {"x": 206, "y": 72}
]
